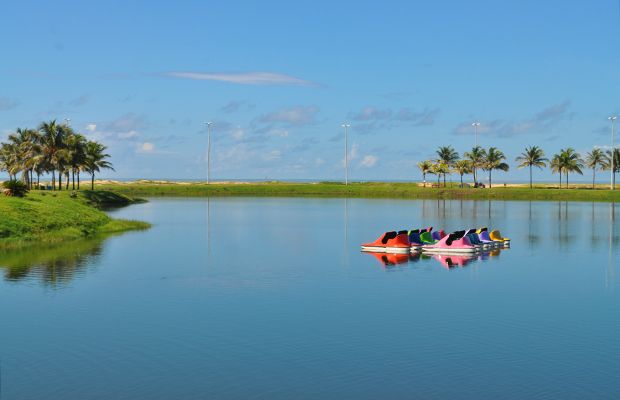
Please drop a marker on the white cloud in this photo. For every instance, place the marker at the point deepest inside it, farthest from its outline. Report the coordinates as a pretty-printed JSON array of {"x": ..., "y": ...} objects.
[
  {"x": 369, "y": 161},
  {"x": 146, "y": 147},
  {"x": 273, "y": 155},
  {"x": 128, "y": 135},
  {"x": 91, "y": 127},
  {"x": 295, "y": 116},
  {"x": 245, "y": 78}
]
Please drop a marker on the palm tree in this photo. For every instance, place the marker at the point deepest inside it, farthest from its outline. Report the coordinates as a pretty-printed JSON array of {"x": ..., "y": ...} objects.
[
  {"x": 616, "y": 163},
  {"x": 426, "y": 168},
  {"x": 441, "y": 168},
  {"x": 462, "y": 167},
  {"x": 494, "y": 160},
  {"x": 448, "y": 156},
  {"x": 53, "y": 149},
  {"x": 76, "y": 144},
  {"x": 556, "y": 166},
  {"x": 568, "y": 160},
  {"x": 595, "y": 159},
  {"x": 533, "y": 156},
  {"x": 476, "y": 158},
  {"x": 95, "y": 160}
]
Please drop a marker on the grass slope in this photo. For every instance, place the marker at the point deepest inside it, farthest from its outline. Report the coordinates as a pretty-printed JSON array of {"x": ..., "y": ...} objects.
[
  {"x": 58, "y": 216},
  {"x": 362, "y": 190}
]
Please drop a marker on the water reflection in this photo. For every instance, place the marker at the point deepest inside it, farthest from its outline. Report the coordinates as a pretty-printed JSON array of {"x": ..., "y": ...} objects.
[
  {"x": 447, "y": 261},
  {"x": 53, "y": 265}
]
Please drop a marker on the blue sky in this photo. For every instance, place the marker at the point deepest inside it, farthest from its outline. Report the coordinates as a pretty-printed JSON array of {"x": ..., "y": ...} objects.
[{"x": 278, "y": 78}]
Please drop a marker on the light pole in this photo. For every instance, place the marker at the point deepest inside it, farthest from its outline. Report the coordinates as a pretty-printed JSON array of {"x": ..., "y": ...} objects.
[
  {"x": 346, "y": 153},
  {"x": 475, "y": 125},
  {"x": 613, "y": 127},
  {"x": 208, "y": 151}
]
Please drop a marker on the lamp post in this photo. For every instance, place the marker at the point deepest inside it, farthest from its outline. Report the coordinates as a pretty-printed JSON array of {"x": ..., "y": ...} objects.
[
  {"x": 613, "y": 128},
  {"x": 346, "y": 153},
  {"x": 208, "y": 151},
  {"x": 475, "y": 125}
]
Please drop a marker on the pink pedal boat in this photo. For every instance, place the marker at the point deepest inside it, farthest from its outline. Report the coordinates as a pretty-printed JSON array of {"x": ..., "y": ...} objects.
[{"x": 455, "y": 242}]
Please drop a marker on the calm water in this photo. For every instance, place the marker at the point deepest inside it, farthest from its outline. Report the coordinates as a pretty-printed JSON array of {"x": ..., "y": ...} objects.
[{"x": 272, "y": 299}]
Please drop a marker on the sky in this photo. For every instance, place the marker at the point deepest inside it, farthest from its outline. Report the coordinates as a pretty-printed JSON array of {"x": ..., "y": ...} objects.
[{"x": 278, "y": 79}]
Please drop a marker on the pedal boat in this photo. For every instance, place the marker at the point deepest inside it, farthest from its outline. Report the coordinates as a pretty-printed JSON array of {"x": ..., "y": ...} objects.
[
  {"x": 496, "y": 235},
  {"x": 455, "y": 242},
  {"x": 389, "y": 242}
]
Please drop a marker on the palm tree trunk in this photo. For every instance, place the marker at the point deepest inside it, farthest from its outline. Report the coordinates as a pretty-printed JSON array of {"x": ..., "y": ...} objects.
[
  {"x": 566, "y": 179},
  {"x": 53, "y": 180},
  {"x": 444, "y": 179},
  {"x": 461, "y": 180},
  {"x": 38, "y": 180},
  {"x": 424, "y": 178},
  {"x": 78, "y": 176},
  {"x": 593, "y": 176},
  {"x": 475, "y": 181},
  {"x": 490, "y": 182},
  {"x": 59, "y": 180},
  {"x": 67, "y": 184},
  {"x": 92, "y": 182},
  {"x": 530, "y": 176},
  {"x": 73, "y": 178}
]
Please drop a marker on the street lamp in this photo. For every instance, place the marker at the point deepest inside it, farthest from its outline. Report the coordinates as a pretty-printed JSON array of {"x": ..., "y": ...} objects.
[
  {"x": 208, "y": 151},
  {"x": 346, "y": 153},
  {"x": 476, "y": 125},
  {"x": 613, "y": 119}
]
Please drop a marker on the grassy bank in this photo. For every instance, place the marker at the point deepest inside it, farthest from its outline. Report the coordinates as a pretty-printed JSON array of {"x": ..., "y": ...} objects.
[
  {"x": 360, "y": 190},
  {"x": 52, "y": 217}
]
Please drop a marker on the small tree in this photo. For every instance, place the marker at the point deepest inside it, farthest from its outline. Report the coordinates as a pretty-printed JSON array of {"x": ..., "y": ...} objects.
[
  {"x": 425, "y": 167},
  {"x": 462, "y": 167},
  {"x": 494, "y": 160},
  {"x": 533, "y": 156},
  {"x": 596, "y": 159}
]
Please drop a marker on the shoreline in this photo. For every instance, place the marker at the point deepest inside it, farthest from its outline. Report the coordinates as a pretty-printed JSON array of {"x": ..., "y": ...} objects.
[{"x": 144, "y": 188}]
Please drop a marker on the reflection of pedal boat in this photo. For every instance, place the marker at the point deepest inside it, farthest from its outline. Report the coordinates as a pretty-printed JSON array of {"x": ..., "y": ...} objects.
[
  {"x": 455, "y": 242},
  {"x": 389, "y": 242},
  {"x": 389, "y": 259},
  {"x": 453, "y": 260}
]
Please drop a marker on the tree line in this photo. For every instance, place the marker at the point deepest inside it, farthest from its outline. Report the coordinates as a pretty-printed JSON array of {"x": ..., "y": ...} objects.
[
  {"x": 54, "y": 149},
  {"x": 479, "y": 159}
]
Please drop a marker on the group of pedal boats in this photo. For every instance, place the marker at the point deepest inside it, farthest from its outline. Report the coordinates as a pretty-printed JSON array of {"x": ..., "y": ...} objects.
[{"x": 426, "y": 240}]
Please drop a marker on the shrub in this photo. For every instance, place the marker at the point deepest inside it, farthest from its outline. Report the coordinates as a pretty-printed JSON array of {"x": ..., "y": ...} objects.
[{"x": 14, "y": 188}]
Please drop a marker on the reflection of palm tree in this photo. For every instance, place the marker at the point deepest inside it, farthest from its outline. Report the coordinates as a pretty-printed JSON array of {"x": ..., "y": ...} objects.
[
  {"x": 595, "y": 159},
  {"x": 53, "y": 264},
  {"x": 533, "y": 156}
]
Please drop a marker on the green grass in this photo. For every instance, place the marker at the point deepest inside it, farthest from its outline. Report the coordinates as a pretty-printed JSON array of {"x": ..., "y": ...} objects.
[
  {"x": 51, "y": 217},
  {"x": 360, "y": 190}
]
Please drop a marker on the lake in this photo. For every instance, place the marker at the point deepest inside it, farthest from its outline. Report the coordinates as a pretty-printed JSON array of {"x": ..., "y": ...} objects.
[{"x": 271, "y": 298}]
